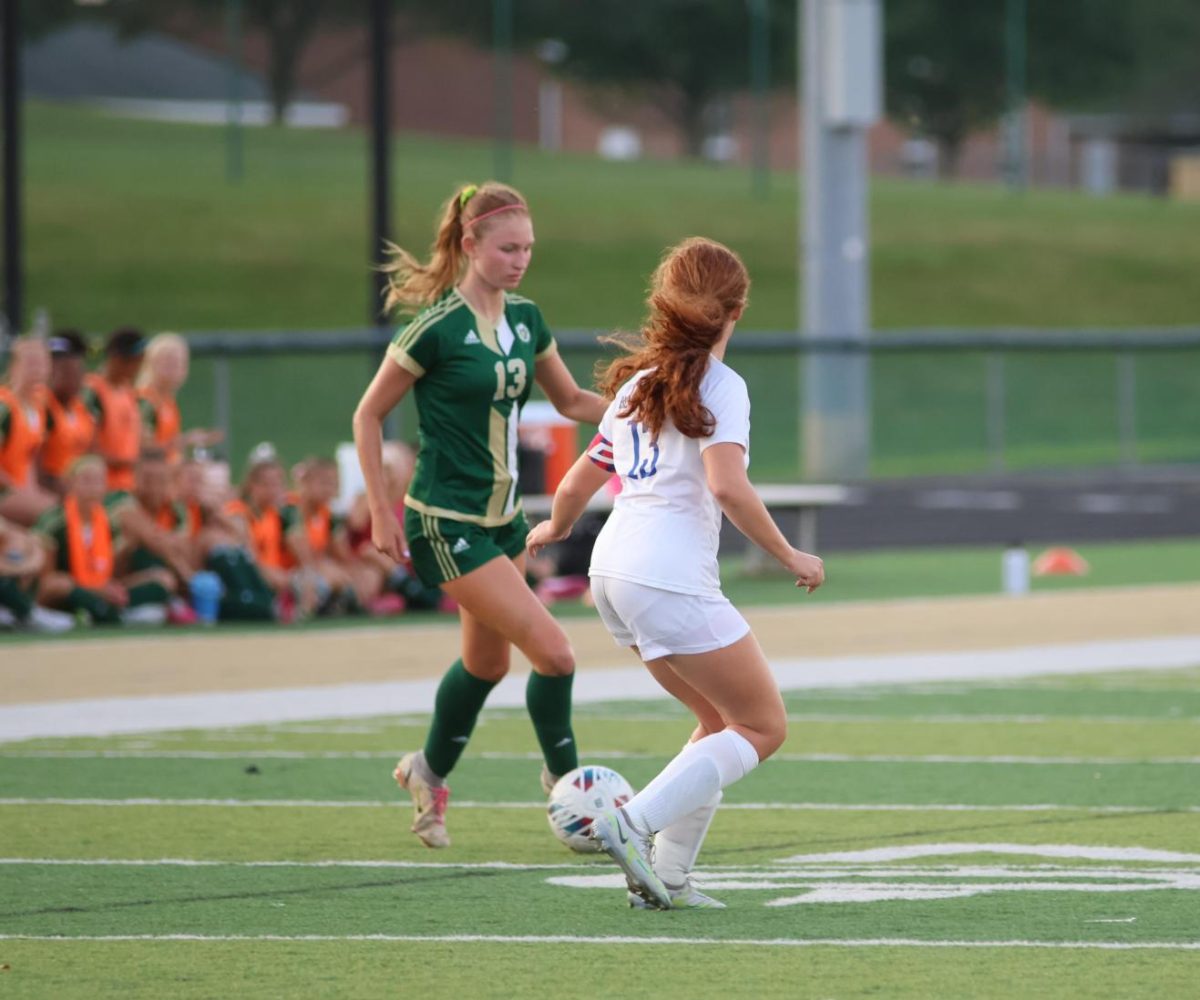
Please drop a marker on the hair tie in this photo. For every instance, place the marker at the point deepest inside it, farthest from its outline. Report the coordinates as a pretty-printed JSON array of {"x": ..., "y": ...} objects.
[{"x": 466, "y": 195}]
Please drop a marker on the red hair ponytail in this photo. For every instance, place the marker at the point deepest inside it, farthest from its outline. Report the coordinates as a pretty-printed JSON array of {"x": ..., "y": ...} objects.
[{"x": 699, "y": 286}]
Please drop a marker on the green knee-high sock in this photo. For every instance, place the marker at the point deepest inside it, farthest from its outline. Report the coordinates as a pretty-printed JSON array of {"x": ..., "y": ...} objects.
[
  {"x": 460, "y": 698},
  {"x": 549, "y": 702}
]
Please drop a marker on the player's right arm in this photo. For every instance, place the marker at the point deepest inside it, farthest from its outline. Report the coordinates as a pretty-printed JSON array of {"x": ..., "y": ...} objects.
[{"x": 387, "y": 388}]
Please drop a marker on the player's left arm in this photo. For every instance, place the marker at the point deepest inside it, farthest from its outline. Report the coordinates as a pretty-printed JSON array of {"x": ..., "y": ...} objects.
[{"x": 565, "y": 395}]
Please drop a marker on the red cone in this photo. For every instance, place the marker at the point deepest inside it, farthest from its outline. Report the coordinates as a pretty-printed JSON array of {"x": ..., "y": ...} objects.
[{"x": 1060, "y": 562}]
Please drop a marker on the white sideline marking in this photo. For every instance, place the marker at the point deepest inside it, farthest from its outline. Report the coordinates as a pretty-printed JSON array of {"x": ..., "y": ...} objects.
[
  {"x": 1037, "y": 850},
  {"x": 574, "y": 939},
  {"x": 108, "y": 716},
  {"x": 734, "y": 806},
  {"x": 950, "y": 719},
  {"x": 790, "y": 758},
  {"x": 327, "y": 863},
  {"x": 710, "y": 876}
]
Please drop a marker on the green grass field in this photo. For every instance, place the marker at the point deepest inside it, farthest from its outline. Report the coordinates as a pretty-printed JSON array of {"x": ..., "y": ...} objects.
[
  {"x": 134, "y": 222},
  {"x": 1030, "y": 838}
]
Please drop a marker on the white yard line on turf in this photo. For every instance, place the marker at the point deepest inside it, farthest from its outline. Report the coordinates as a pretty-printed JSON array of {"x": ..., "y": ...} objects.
[
  {"x": 101, "y": 717},
  {"x": 705, "y": 876},
  {"x": 788, "y": 758},
  {"x": 326, "y": 863},
  {"x": 575, "y": 940},
  {"x": 734, "y": 806}
]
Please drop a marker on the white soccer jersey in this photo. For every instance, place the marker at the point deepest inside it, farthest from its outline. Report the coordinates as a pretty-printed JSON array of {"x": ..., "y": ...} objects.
[{"x": 665, "y": 526}]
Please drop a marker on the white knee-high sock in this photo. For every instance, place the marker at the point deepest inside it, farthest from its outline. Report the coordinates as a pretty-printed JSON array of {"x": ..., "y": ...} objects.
[
  {"x": 677, "y": 846},
  {"x": 691, "y": 779}
]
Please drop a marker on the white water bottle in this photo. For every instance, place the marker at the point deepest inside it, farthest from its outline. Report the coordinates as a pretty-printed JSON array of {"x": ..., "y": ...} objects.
[{"x": 1015, "y": 569}]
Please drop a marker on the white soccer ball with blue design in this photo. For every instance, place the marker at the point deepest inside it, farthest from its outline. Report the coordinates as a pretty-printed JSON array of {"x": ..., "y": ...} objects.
[{"x": 580, "y": 796}]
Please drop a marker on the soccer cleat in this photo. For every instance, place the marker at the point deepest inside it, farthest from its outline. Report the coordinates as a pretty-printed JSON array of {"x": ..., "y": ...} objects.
[
  {"x": 684, "y": 897},
  {"x": 429, "y": 803},
  {"x": 549, "y": 780},
  {"x": 630, "y": 849}
]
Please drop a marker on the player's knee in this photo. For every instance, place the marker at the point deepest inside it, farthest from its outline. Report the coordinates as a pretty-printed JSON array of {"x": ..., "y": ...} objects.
[
  {"x": 557, "y": 660},
  {"x": 488, "y": 668},
  {"x": 771, "y": 734}
]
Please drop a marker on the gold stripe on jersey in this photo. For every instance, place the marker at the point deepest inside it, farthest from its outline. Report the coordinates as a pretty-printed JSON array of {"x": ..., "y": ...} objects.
[
  {"x": 547, "y": 351},
  {"x": 458, "y": 515},
  {"x": 441, "y": 550},
  {"x": 502, "y": 479},
  {"x": 408, "y": 336},
  {"x": 405, "y": 360}
]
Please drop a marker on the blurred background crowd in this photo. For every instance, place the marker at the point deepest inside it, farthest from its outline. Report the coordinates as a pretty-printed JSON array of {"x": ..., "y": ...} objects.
[{"x": 111, "y": 512}]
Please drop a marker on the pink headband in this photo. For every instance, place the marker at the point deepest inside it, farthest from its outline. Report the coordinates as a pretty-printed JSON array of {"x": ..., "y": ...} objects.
[{"x": 494, "y": 211}]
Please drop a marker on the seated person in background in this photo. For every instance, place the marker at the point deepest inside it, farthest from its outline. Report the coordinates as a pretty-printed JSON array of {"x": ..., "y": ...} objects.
[
  {"x": 70, "y": 428},
  {"x": 162, "y": 376},
  {"x": 352, "y": 585},
  {"x": 400, "y": 586},
  {"x": 21, "y": 561},
  {"x": 112, "y": 402},
  {"x": 22, "y": 426},
  {"x": 81, "y": 540},
  {"x": 152, "y": 530},
  {"x": 215, "y": 542},
  {"x": 265, "y": 522}
]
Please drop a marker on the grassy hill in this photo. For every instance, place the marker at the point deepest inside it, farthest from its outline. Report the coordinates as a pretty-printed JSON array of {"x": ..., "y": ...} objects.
[{"x": 135, "y": 222}]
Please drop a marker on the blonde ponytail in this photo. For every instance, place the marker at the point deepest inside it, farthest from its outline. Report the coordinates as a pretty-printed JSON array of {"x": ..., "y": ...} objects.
[{"x": 413, "y": 285}]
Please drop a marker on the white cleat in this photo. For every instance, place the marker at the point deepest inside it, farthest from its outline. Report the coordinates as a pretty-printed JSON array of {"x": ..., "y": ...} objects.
[
  {"x": 429, "y": 803},
  {"x": 684, "y": 897},
  {"x": 622, "y": 842},
  {"x": 549, "y": 780}
]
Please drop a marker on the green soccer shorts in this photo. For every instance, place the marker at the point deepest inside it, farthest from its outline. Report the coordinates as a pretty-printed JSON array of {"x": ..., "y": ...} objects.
[{"x": 443, "y": 550}]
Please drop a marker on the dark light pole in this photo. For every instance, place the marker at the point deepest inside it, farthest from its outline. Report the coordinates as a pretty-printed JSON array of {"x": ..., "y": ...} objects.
[
  {"x": 381, "y": 211},
  {"x": 233, "y": 129},
  {"x": 760, "y": 77},
  {"x": 10, "y": 55},
  {"x": 1015, "y": 32},
  {"x": 502, "y": 42}
]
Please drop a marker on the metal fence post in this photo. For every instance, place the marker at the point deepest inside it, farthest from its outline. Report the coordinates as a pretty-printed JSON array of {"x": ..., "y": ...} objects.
[
  {"x": 1127, "y": 407},
  {"x": 995, "y": 409}
]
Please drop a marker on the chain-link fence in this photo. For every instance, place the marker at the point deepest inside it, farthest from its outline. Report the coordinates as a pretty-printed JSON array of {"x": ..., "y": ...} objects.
[{"x": 943, "y": 402}]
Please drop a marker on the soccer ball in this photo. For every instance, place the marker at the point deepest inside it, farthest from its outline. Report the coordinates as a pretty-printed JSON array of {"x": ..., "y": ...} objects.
[{"x": 578, "y": 797}]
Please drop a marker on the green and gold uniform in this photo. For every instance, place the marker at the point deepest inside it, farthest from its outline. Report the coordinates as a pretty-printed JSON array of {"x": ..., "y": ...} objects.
[{"x": 463, "y": 506}]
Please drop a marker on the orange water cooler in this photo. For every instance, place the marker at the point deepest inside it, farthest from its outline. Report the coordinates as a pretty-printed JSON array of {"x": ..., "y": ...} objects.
[{"x": 543, "y": 429}]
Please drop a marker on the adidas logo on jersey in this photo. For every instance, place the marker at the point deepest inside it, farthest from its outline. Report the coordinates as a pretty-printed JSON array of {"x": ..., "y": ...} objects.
[
  {"x": 472, "y": 338},
  {"x": 460, "y": 546}
]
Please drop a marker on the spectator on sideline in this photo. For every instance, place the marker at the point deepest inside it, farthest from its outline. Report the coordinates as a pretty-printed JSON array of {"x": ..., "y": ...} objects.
[
  {"x": 111, "y": 400},
  {"x": 22, "y": 427},
  {"x": 401, "y": 587},
  {"x": 265, "y": 521},
  {"x": 216, "y": 543},
  {"x": 81, "y": 541},
  {"x": 352, "y": 585},
  {"x": 70, "y": 428},
  {"x": 162, "y": 376},
  {"x": 21, "y": 560},
  {"x": 153, "y": 534}
]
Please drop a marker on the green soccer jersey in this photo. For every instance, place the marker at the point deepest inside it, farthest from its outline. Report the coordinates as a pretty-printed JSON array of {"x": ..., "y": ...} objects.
[{"x": 472, "y": 381}]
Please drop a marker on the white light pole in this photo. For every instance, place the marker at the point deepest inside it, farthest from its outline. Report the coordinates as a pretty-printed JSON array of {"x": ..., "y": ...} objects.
[{"x": 841, "y": 91}]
